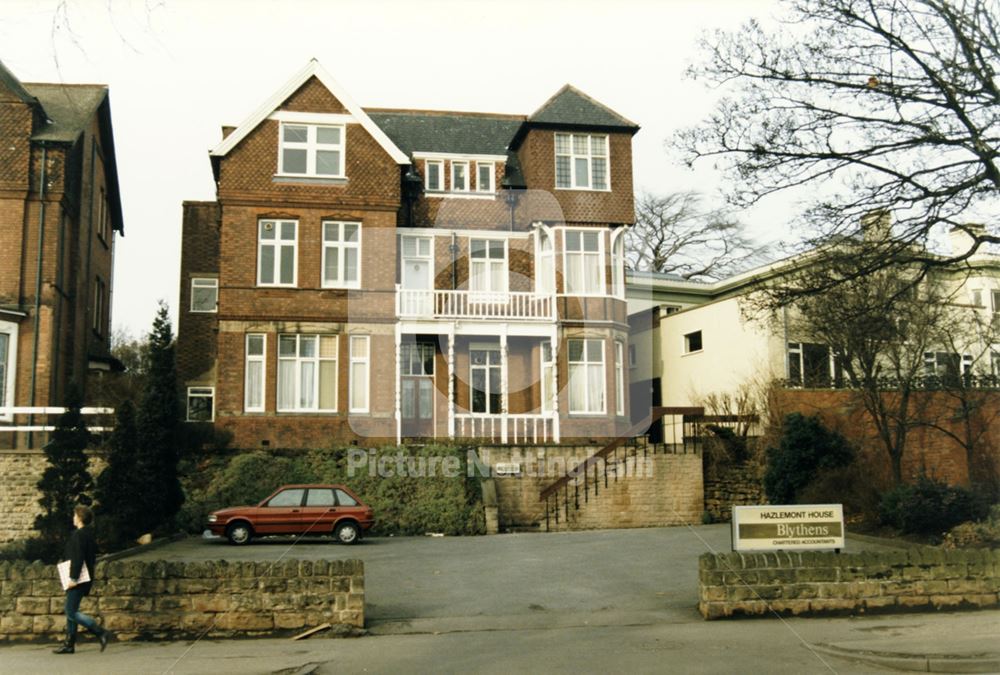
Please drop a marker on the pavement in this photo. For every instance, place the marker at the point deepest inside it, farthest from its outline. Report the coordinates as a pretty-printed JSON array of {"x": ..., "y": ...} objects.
[{"x": 613, "y": 600}]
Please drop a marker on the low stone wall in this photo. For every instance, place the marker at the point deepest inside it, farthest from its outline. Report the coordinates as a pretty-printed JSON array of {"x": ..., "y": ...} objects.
[
  {"x": 158, "y": 599},
  {"x": 825, "y": 582}
]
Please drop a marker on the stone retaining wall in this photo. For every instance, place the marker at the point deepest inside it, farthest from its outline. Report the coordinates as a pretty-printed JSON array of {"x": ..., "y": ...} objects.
[
  {"x": 652, "y": 491},
  {"x": 734, "y": 485},
  {"x": 825, "y": 582},
  {"x": 20, "y": 471},
  {"x": 159, "y": 599}
]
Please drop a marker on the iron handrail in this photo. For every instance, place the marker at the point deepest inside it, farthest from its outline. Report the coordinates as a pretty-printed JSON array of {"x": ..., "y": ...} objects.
[{"x": 655, "y": 414}]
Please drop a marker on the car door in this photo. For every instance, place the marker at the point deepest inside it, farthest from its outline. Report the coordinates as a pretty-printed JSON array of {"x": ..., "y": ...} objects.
[
  {"x": 282, "y": 514},
  {"x": 319, "y": 511}
]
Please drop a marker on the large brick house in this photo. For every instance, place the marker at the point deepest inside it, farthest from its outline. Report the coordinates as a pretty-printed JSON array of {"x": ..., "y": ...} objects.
[
  {"x": 60, "y": 210},
  {"x": 373, "y": 275}
]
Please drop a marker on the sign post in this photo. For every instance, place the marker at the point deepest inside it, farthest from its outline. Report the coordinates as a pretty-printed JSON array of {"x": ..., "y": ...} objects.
[{"x": 802, "y": 527}]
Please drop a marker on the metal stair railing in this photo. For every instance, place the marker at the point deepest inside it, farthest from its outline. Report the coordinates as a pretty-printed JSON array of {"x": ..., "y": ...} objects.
[{"x": 629, "y": 441}]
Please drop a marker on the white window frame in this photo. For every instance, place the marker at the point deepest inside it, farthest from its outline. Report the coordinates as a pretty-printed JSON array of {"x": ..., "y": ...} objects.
[
  {"x": 277, "y": 245},
  {"x": 589, "y": 157},
  {"x": 254, "y": 358},
  {"x": 488, "y": 263},
  {"x": 9, "y": 374},
  {"x": 209, "y": 395},
  {"x": 340, "y": 246},
  {"x": 317, "y": 360},
  {"x": 547, "y": 371},
  {"x": 311, "y": 145},
  {"x": 205, "y": 282},
  {"x": 456, "y": 163},
  {"x": 618, "y": 263},
  {"x": 586, "y": 364},
  {"x": 427, "y": 175},
  {"x": 486, "y": 368},
  {"x": 619, "y": 377},
  {"x": 359, "y": 360},
  {"x": 545, "y": 266},
  {"x": 583, "y": 254},
  {"x": 490, "y": 188},
  {"x": 687, "y": 342}
]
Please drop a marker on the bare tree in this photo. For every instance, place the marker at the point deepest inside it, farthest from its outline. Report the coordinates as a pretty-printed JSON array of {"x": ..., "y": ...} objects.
[
  {"x": 675, "y": 233},
  {"x": 874, "y": 105},
  {"x": 891, "y": 334}
]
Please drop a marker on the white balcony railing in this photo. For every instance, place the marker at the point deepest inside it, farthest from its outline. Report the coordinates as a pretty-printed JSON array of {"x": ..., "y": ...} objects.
[
  {"x": 446, "y": 304},
  {"x": 506, "y": 428}
]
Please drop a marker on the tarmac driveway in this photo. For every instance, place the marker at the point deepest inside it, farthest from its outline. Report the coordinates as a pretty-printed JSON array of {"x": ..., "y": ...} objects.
[{"x": 430, "y": 584}]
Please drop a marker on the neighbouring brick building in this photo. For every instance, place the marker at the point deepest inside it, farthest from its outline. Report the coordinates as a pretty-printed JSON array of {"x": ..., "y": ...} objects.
[
  {"x": 60, "y": 210},
  {"x": 371, "y": 275}
]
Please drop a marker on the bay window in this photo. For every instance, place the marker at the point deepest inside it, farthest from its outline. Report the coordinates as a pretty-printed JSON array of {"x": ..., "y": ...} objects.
[
  {"x": 584, "y": 263},
  {"x": 586, "y": 376}
]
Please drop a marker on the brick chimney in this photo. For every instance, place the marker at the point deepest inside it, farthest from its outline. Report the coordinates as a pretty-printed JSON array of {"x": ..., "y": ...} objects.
[{"x": 876, "y": 225}]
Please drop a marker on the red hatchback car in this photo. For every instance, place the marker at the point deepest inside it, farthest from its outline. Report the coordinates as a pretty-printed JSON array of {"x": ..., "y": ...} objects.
[{"x": 297, "y": 509}]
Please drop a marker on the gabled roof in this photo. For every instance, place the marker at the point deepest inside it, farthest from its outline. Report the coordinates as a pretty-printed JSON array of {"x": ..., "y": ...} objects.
[
  {"x": 68, "y": 107},
  {"x": 10, "y": 81},
  {"x": 312, "y": 69},
  {"x": 570, "y": 106}
]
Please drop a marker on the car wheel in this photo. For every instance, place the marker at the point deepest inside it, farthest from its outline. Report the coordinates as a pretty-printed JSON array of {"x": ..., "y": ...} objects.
[
  {"x": 347, "y": 533},
  {"x": 239, "y": 534}
]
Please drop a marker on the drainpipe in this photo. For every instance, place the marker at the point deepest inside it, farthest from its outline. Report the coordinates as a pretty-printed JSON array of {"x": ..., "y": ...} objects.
[{"x": 38, "y": 292}]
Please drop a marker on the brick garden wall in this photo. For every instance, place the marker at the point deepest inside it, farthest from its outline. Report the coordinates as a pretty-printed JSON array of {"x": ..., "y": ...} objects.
[
  {"x": 158, "y": 599},
  {"x": 928, "y": 451},
  {"x": 824, "y": 582}
]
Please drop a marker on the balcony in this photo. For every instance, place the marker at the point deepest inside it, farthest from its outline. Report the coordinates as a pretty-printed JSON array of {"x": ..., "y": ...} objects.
[{"x": 447, "y": 304}]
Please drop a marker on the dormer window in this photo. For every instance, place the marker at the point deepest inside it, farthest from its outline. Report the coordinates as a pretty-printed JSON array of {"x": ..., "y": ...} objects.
[
  {"x": 581, "y": 162},
  {"x": 312, "y": 150},
  {"x": 460, "y": 176},
  {"x": 434, "y": 176},
  {"x": 485, "y": 177}
]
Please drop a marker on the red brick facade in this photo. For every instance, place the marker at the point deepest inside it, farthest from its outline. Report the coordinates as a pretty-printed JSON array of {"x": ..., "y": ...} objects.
[
  {"x": 59, "y": 215},
  {"x": 222, "y": 240},
  {"x": 930, "y": 451}
]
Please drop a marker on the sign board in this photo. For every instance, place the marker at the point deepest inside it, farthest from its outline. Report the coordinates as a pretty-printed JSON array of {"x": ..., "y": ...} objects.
[
  {"x": 507, "y": 469},
  {"x": 802, "y": 527}
]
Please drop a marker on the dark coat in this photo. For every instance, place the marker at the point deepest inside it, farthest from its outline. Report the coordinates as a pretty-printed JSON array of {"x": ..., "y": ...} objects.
[{"x": 81, "y": 548}]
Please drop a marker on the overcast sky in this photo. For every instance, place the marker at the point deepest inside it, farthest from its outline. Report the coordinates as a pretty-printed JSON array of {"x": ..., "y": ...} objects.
[{"x": 180, "y": 69}]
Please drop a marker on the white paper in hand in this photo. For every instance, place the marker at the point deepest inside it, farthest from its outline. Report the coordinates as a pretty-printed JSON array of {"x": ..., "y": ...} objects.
[{"x": 64, "y": 579}]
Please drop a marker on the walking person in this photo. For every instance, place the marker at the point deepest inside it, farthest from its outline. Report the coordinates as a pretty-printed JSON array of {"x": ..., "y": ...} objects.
[{"x": 81, "y": 549}]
